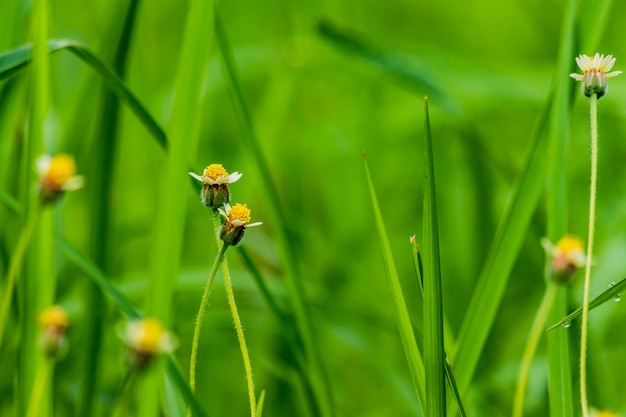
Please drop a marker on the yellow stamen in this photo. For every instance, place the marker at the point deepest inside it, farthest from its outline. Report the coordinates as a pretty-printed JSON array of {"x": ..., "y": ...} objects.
[
  {"x": 569, "y": 244},
  {"x": 148, "y": 337},
  {"x": 239, "y": 212},
  {"x": 54, "y": 316},
  {"x": 215, "y": 171},
  {"x": 61, "y": 169}
]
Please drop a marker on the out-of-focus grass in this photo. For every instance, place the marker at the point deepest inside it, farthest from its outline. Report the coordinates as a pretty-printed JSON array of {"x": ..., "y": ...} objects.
[{"x": 315, "y": 109}]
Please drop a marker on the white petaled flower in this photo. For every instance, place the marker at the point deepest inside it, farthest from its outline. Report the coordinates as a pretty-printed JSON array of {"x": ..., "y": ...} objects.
[
  {"x": 215, "y": 174},
  {"x": 57, "y": 175},
  {"x": 595, "y": 72},
  {"x": 237, "y": 219},
  {"x": 567, "y": 256},
  {"x": 146, "y": 338},
  {"x": 215, "y": 180}
]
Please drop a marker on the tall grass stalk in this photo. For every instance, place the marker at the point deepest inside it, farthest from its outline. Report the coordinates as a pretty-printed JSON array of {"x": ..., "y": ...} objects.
[
  {"x": 37, "y": 287},
  {"x": 183, "y": 132},
  {"x": 593, "y": 115}
]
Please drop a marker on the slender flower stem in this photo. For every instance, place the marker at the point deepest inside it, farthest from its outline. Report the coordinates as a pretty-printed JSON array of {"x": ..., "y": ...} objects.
[
  {"x": 15, "y": 266},
  {"x": 241, "y": 338},
  {"x": 593, "y": 111},
  {"x": 200, "y": 318},
  {"x": 536, "y": 330}
]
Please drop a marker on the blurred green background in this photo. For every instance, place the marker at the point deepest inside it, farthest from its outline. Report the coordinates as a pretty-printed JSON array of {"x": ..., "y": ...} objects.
[{"x": 316, "y": 108}]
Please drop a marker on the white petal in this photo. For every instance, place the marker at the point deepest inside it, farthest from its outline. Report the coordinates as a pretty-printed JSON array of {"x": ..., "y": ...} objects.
[
  {"x": 74, "y": 183},
  {"x": 233, "y": 177},
  {"x": 238, "y": 223},
  {"x": 577, "y": 77},
  {"x": 198, "y": 177},
  {"x": 43, "y": 164},
  {"x": 253, "y": 224}
]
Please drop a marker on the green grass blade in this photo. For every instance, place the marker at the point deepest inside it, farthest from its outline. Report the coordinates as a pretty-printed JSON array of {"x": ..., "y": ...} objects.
[
  {"x": 434, "y": 356},
  {"x": 404, "y": 69},
  {"x": 314, "y": 368},
  {"x": 100, "y": 176},
  {"x": 613, "y": 293},
  {"x": 16, "y": 59},
  {"x": 94, "y": 273},
  {"x": 503, "y": 252},
  {"x": 411, "y": 350},
  {"x": 560, "y": 374}
]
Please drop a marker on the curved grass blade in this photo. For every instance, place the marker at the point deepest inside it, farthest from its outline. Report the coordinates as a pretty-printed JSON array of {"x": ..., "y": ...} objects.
[
  {"x": 97, "y": 277},
  {"x": 612, "y": 293},
  {"x": 434, "y": 350},
  {"x": 16, "y": 59},
  {"x": 411, "y": 350}
]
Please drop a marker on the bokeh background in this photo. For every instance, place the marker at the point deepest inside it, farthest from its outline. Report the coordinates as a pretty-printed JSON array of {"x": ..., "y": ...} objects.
[{"x": 316, "y": 108}]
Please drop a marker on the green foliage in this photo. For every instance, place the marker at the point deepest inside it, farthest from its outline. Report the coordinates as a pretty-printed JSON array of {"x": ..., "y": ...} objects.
[{"x": 137, "y": 93}]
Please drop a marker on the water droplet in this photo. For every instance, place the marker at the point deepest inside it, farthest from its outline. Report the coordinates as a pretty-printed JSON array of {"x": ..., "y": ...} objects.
[
  {"x": 567, "y": 324},
  {"x": 612, "y": 284},
  {"x": 617, "y": 298}
]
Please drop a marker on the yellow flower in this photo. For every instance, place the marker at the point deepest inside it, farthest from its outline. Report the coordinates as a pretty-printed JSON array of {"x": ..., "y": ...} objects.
[
  {"x": 237, "y": 219},
  {"x": 147, "y": 338},
  {"x": 567, "y": 256},
  {"x": 215, "y": 180},
  {"x": 54, "y": 322},
  {"x": 57, "y": 175},
  {"x": 595, "y": 73}
]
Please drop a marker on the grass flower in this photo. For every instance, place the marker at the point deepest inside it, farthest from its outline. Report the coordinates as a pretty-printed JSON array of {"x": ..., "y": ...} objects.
[
  {"x": 57, "y": 175},
  {"x": 567, "y": 256},
  {"x": 54, "y": 322},
  {"x": 215, "y": 180},
  {"x": 595, "y": 73},
  {"x": 237, "y": 219},
  {"x": 146, "y": 339}
]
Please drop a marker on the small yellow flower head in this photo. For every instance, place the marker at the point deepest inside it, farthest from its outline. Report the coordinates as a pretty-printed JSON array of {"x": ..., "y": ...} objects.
[
  {"x": 57, "y": 175},
  {"x": 595, "y": 73},
  {"x": 215, "y": 180},
  {"x": 237, "y": 219},
  {"x": 54, "y": 322},
  {"x": 567, "y": 256},
  {"x": 146, "y": 338}
]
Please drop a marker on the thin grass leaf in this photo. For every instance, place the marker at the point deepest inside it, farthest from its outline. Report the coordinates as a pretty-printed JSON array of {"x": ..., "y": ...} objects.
[
  {"x": 613, "y": 293},
  {"x": 10, "y": 203},
  {"x": 419, "y": 272},
  {"x": 411, "y": 350},
  {"x": 560, "y": 373},
  {"x": 16, "y": 59},
  {"x": 434, "y": 349},
  {"x": 317, "y": 378}
]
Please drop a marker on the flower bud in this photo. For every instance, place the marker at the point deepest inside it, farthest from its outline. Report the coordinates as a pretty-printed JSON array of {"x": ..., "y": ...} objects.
[
  {"x": 52, "y": 340},
  {"x": 146, "y": 338},
  {"x": 57, "y": 176},
  {"x": 567, "y": 256},
  {"x": 237, "y": 219}
]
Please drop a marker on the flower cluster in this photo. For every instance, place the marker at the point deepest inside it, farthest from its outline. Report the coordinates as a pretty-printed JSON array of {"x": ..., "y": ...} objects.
[
  {"x": 216, "y": 195},
  {"x": 595, "y": 72}
]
